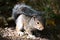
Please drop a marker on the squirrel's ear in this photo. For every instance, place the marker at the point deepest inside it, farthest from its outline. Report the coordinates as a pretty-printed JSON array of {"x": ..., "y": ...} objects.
[{"x": 34, "y": 17}]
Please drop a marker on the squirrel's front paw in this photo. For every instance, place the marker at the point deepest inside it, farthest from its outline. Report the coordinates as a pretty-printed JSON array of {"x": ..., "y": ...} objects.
[{"x": 20, "y": 33}]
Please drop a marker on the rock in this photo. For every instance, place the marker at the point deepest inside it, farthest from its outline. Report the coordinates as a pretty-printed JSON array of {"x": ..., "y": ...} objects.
[
  {"x": 10, "y": 34},
  {"x": 3, "y": 21}
]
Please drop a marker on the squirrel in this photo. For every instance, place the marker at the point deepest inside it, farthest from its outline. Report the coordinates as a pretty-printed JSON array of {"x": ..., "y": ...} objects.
[
  {"x": 28, "y": 24},
  {"x": 26, "y": 18}
]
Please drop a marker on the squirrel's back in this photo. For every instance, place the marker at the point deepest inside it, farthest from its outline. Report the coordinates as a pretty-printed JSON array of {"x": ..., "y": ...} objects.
[{"x": 24, "y": 9}]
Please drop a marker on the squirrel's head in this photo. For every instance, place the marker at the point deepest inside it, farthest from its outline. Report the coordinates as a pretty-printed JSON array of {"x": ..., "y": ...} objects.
[{"x": 37, "y": 23}]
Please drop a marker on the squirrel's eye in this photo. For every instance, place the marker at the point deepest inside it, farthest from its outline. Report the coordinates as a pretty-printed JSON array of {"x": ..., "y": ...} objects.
[{"x": 37, "y": 22}]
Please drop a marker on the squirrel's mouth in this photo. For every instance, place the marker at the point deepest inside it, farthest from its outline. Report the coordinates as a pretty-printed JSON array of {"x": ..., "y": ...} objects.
[{"x": 40, "y": 28}]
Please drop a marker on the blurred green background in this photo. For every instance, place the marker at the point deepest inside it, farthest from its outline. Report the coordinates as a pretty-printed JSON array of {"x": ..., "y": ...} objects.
[{"x": 50, "y": 7}]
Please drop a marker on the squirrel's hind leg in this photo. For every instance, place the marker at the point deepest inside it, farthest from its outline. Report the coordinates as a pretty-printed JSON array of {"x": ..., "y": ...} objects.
[{"x": 28, "y": 31}]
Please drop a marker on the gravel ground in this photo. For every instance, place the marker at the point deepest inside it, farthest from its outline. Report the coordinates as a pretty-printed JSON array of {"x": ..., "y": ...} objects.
[{"x": 10, "y": 34}]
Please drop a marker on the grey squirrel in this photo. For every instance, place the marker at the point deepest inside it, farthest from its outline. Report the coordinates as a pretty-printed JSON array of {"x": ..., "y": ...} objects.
[
  {"x": 29, "y": 24},
  {"x": 28, "y": 20}
]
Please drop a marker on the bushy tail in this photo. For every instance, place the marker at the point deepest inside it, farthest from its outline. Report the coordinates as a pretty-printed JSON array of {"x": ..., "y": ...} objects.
[
  {"x": 19, "y": 9},
  {"x": 24, "y": 9}
]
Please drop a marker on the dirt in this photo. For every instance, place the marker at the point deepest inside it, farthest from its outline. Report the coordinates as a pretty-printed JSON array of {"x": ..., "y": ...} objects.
[{"x": 11, "y": 34}]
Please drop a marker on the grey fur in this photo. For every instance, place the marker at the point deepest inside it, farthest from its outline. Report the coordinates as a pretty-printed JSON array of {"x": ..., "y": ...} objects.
[{"x": 24, "y": 9}]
